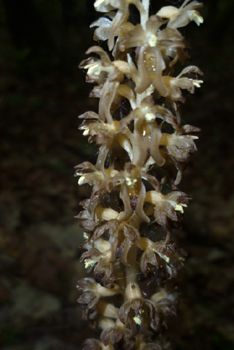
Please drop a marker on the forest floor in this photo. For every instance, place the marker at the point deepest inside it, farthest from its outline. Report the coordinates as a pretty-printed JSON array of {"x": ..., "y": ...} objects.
[{"x": 39, "y": 261}]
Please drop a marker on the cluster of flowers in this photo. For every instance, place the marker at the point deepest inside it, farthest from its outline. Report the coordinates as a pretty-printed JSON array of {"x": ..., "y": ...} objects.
[{"x": 143, "y": 149}]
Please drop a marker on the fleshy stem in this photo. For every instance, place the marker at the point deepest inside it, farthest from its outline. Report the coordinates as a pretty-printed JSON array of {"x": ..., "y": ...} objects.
[
  {"x": 145, "y": 14},
  {"x": 131, "y": 270}
]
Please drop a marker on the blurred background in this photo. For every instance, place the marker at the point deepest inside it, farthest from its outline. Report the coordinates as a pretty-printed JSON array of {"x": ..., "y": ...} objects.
[{"x": 41, "y": 94}]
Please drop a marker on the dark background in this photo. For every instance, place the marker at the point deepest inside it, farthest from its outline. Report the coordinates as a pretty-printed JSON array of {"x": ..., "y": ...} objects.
[{"x": 42, "y": 93}]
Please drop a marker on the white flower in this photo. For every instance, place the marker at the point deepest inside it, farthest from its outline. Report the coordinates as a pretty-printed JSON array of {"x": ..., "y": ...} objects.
[{"x": 180, "y": 17}]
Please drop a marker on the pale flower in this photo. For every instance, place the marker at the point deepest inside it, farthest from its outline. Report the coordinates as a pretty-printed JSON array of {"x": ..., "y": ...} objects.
[
  {"x": 120, "y": 17},
  {"x": 108, "y": 5},
  {"x": 174, "y": 85},
  {"x": 101, "y": 69},
  {"x": 180, "y": 17},
  {"x": 167, "y": 206},
  {"x": 151, "y": 43}
]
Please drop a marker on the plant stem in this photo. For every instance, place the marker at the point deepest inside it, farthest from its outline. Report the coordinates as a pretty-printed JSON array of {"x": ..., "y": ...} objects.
[
  {"x": 145, "y": 14},
  {"x": 131, "y": 270}
]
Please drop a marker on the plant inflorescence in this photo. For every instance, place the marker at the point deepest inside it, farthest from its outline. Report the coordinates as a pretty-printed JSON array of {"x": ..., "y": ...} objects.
[{"x": 143, "y": 148}]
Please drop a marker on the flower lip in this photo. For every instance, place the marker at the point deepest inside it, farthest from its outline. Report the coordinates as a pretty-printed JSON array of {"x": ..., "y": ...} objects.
[{"x": 195, "y": 16}]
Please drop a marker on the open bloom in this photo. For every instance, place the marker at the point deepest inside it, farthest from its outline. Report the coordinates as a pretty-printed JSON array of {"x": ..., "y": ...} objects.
[
  {"x": 146, "y": 135},
  {"x": 98, "y": 70},
  {"x": 93, "y": 291},
  {"x": 180, "y": 145},
  {"x": 141, "y": 315},
  {"x": 175, "y": 85},
  {"x": 180, "y": 17},
  {"x": 152, "y": 43},
  {"x": 134, "y": 192},
  {"x": 120, "y": 17},
  {"x": 102, "y": 128},
  {"x": 109, "y": 28},
  {"x": 103, "y": 269},
  {"x": 89, "y": 174},
  {"x": 160, "y": 259},
  {"x": 118, "y": 336},
  {"x": 166, "y": 206}
]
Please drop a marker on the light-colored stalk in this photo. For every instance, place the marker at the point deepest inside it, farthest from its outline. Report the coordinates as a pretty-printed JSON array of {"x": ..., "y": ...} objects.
[{"x": 145, "y": 14}]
